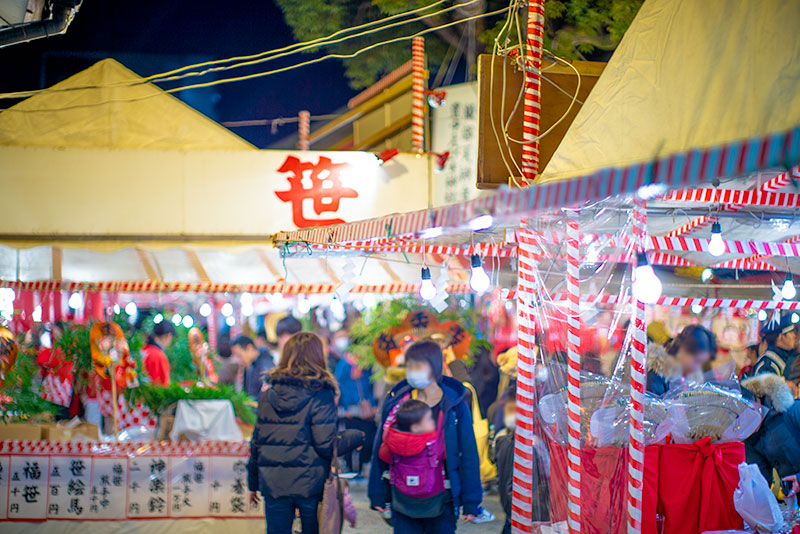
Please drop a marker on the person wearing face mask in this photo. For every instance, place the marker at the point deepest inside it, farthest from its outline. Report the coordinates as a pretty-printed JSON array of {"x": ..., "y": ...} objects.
[
  {"x": 446, "y": 396},
  {"x": 502, "y": 454},
  {"x": 683, "y": 357}
]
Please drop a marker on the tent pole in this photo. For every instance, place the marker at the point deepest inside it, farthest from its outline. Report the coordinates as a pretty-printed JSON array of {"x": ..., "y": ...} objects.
[
  {"x": 418, "y": 95},
  {"x": 533, "y": 98},
  {"x": 638, "y": 361},
  {"x": 521, "y": 495},
  {"x": 574, "y": 371}
]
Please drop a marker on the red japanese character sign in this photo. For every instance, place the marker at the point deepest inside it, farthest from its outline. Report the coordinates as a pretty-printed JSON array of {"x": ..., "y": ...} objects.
[{"x": 321, "y": 183}]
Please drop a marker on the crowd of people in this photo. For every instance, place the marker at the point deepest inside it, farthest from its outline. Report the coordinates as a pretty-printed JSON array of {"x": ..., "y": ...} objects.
[
  {"x": 416, "y": 443},
  {"x": 419, "y": 439}
]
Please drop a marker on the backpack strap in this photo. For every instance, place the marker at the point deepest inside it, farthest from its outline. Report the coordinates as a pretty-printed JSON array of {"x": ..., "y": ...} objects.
[{"x": 393, "y": 414}]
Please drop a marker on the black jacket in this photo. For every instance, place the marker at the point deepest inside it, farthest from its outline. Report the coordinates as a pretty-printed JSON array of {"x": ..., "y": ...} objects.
[
  {"x": 292, "y": 444},
  {"x": 502, "y": 455}
]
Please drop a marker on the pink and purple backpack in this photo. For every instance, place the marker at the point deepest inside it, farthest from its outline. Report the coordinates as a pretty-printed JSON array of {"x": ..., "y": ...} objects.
[{"x": 421, "y": 475}]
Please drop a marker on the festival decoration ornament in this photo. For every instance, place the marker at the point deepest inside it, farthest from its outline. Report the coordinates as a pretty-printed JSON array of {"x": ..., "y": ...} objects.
[
  {"x": 8, "y": 352},
  {"x": 389, "y": 346}
]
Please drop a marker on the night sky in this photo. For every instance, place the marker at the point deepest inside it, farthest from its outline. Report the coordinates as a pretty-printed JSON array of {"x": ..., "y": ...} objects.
[{"x": 151, "y": 36}]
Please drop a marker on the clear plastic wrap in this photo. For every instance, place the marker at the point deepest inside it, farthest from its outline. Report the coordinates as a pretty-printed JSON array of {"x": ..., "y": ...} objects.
[
  {"x": 707, "y": 410},
  {"x": 591, "y": 330}
]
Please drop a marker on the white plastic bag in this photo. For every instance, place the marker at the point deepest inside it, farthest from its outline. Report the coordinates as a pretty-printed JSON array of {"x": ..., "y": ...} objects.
[{"x": 755, "y": 502}]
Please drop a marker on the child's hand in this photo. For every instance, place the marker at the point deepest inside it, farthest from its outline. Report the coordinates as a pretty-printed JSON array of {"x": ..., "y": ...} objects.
[
  {"x": 254, "y": 498},
  {"x": 379, "y": 509},
  {"x": 469, "y": 518}
]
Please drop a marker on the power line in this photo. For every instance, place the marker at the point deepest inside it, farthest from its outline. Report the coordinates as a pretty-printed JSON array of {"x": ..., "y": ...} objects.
[
  {"x": 271, "y": 72},
  {"x": 255, "y": 58}
]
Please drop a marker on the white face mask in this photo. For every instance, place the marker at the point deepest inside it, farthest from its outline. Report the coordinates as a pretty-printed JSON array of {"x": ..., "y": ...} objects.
[
  {"x": 510, "y": 420},
  {"x": 418, "y": 379}
]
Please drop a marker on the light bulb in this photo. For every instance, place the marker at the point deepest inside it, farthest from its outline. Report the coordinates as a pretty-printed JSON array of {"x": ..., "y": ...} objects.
[
  {"x": 481, "y": 222},
  {"x": 227, "y": 309},
  {"x": 117, "y": 309},
  {"x": 303, "y": 306},
  {"x": 432, "y": 232},
  {"x": 478, "y": 280},
  {"x": 246, "y": 299},
  {"x": 762, "y": 315},
  {"x": 795, "y": 318},
  {"x": 176, "y": 319},
  {"x": 788, "y": 291},
  {"x": 716, "y": 246},
  {"x": 230, "y": 321},
  {"x": 205, "y": 309},
  {"x": 427, "y": 290},
  {"x": 706, "y": 275},
  {"x": 646, "y": 285},
  {"x": 37, "y": 314},
  {"x": 131, "y": 308},
  {"x": 158, "y": 318},
  {"x": 75, "y": 301},
  {"x": 368, "y": 301},
  {"x": 188, "y": 322},
  {"x": 697, "y": 309}
]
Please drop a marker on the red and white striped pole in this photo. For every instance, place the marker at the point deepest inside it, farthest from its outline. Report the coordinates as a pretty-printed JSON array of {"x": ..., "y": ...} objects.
[
  {"x": 574, "y": 372},
  {"x": 638, "y": 380},
  {"x": 521, "y": 493},
  {"x": 533, "y": 96},
  {"x": 303, "y": 129},
  {"x": 418, "y": 94}
]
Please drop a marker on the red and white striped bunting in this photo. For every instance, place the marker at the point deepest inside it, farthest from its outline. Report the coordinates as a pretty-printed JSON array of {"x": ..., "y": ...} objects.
[
  {"x": 209, "y": 287},
  {"x": 96, "y": 448},
  {"x": 773, "y": 185},
  {"x": 678, "y": 170},
  {"x": 695, "y": 244},
  {"x": 502, "y": 250},
  {"x": 740, "y": 197}
]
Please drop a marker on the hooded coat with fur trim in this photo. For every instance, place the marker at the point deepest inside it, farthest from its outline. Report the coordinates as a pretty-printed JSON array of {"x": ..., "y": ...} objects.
[
  {"x": 768, "y": 387},
  {"x": 292, "y": 444}
]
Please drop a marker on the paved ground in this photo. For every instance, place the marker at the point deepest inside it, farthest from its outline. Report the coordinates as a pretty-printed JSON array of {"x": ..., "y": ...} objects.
[{"x": 370, "y": 520}]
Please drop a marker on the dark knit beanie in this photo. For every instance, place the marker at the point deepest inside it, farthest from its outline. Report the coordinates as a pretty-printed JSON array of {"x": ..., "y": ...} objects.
[{"x": 430, "y": 352}]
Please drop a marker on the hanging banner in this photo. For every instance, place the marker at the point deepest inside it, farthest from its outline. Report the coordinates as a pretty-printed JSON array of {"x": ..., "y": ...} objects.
[
  {"x": 179, "y": 194},
  {"x": 455, "y": 130},
  {"x": 42, "y": 481}
]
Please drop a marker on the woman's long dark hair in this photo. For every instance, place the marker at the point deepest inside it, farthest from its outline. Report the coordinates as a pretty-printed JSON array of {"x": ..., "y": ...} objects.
[
  {"x": 694, "y": 339},
  {"x": 304, "y": 357},
  {"x": 160, "y": 329}
]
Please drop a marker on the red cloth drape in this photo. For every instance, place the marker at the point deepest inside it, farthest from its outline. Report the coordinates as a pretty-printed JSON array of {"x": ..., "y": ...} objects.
[
  {"x": 690, "y": 485},
  {"x": 696, "y": 484},
  {"x": 604, "y": 489}
]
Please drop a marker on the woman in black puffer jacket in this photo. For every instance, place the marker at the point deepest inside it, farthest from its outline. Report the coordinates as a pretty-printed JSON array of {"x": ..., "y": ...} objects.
[{"x": 292, "y": 444}]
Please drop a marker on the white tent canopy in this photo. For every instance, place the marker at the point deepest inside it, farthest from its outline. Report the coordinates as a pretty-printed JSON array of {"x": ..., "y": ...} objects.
[{"x": 688, "y": 74}]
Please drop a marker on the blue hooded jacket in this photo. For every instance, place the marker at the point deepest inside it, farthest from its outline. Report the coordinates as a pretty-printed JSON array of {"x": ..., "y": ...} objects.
[{"x": 463, "y": 464}]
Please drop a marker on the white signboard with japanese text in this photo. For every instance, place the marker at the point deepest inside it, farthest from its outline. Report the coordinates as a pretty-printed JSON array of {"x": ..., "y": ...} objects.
[
  {"x": 455, "y": 130},
  {"x": 125, "y": 482}
]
